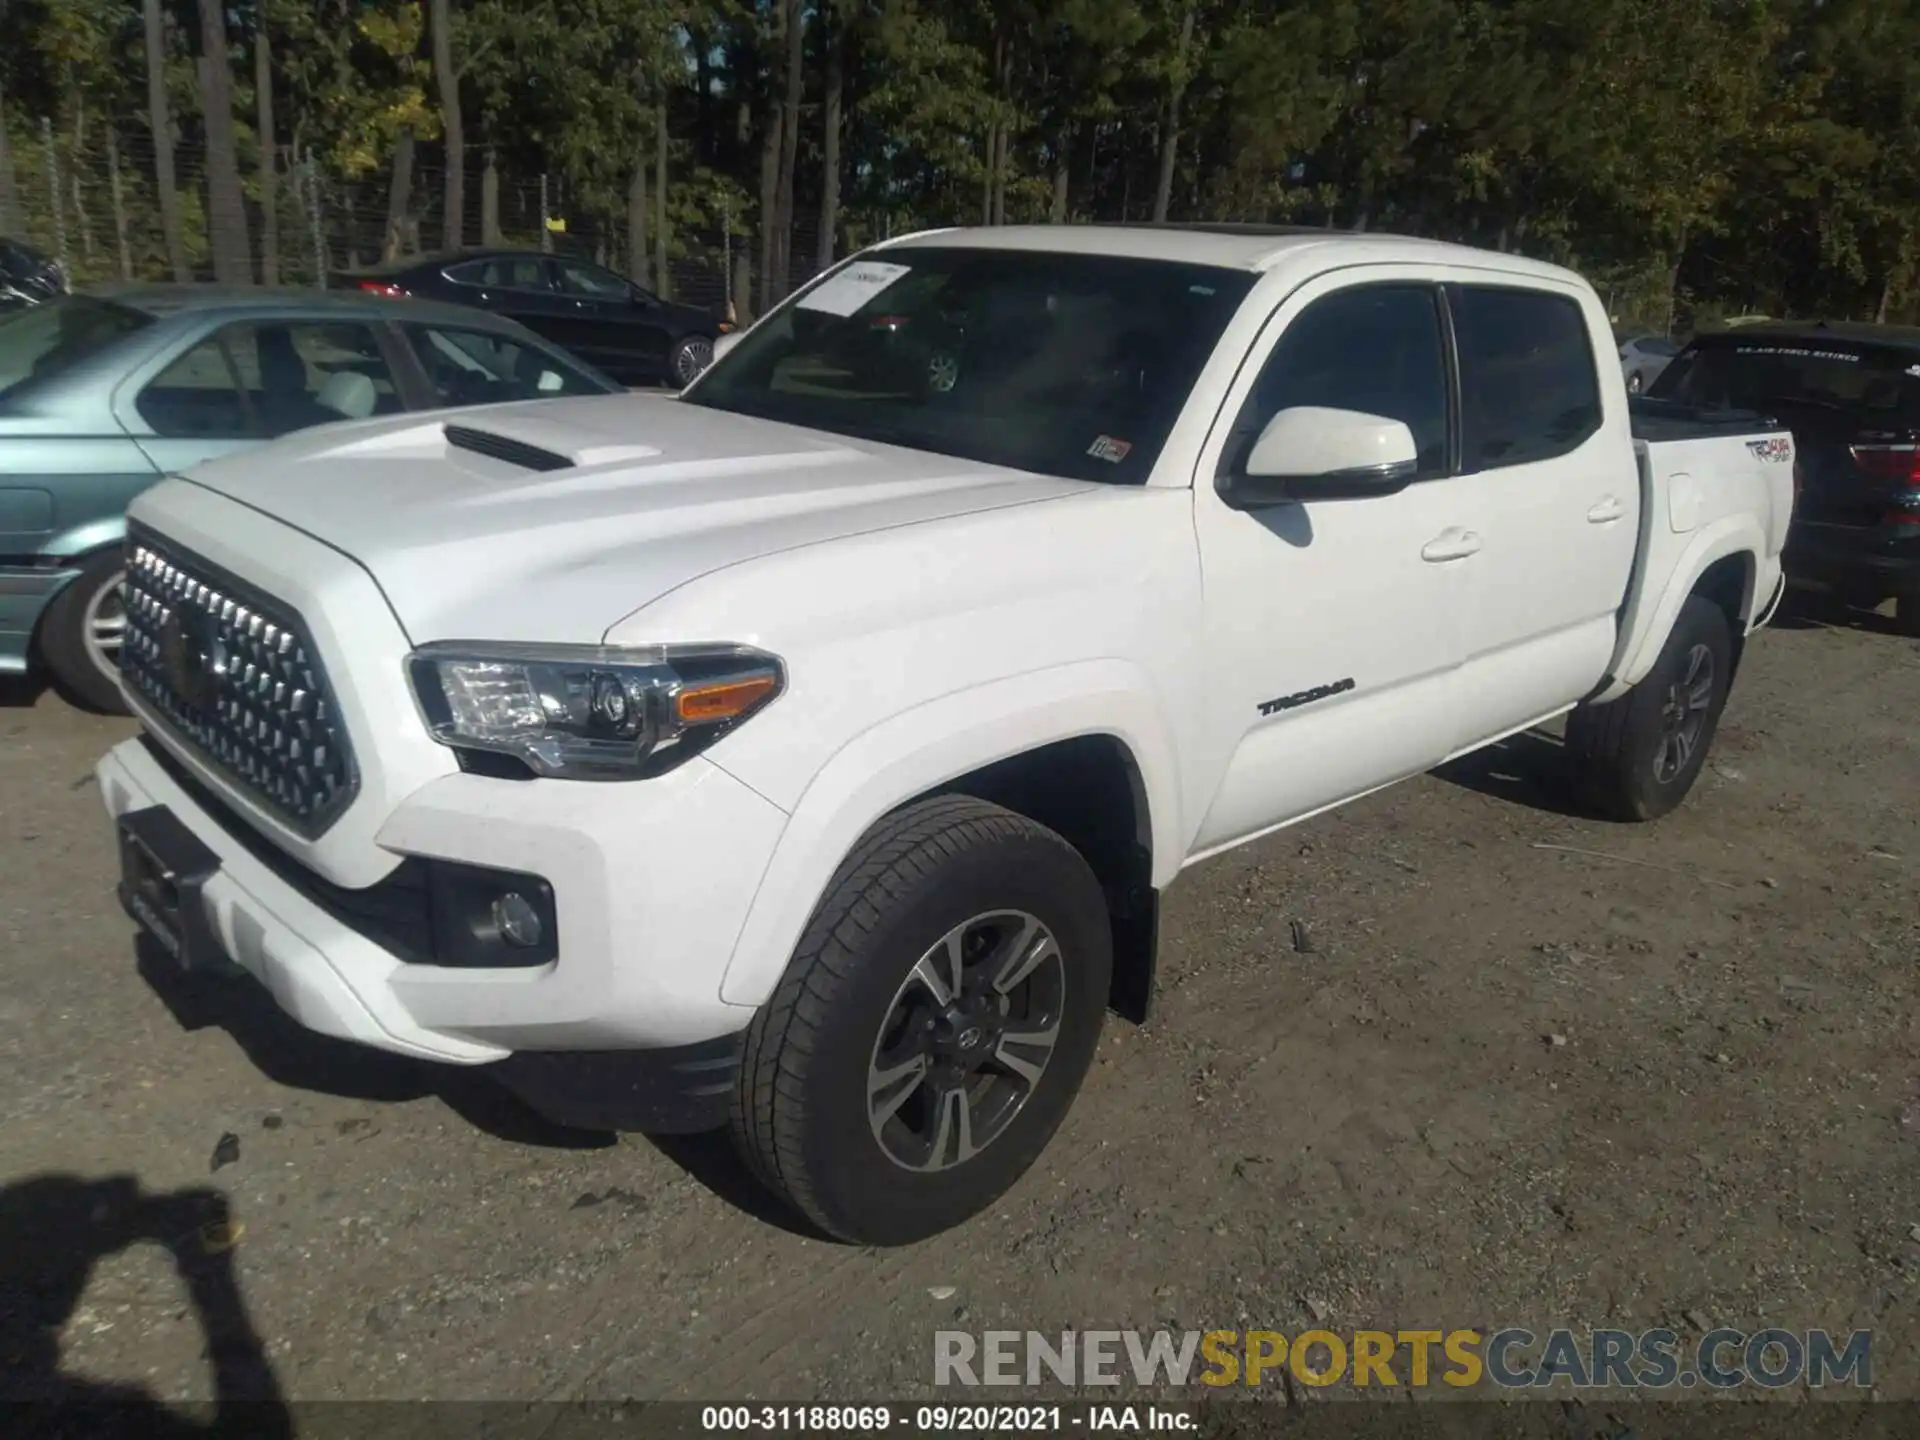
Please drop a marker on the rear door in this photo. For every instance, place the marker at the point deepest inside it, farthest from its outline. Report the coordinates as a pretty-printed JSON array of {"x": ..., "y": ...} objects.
[{"x": 1551, "y": 495}]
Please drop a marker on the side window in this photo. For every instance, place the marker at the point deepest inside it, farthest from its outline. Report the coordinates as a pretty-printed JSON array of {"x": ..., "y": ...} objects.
[
  {"x": 512, "y": 273},
  {"x": 1527, "y": 383},
  {"x": 1374, "y": 348},
  {"x": 473, "y": 367},
  {"x": 201, "y": 395},
  {"x": 271, "y": 378},
  {"x": 474, "y": 272},
  {"x": 591, "y": 282}
]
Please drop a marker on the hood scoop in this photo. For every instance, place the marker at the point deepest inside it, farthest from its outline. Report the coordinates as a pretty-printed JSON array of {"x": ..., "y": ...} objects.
[{"x": 506, "y": 449}]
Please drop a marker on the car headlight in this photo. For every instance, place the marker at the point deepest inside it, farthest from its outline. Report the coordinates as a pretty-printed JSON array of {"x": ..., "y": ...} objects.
[{"x": 589, "y": 712}]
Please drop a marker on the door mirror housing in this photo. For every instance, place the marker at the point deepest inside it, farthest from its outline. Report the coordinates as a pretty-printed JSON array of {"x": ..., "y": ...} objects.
[{"x": 1316, "y": 452}]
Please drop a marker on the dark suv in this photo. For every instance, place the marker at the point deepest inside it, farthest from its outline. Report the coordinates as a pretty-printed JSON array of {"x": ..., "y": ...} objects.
[{"x": 1851, "y": 396}]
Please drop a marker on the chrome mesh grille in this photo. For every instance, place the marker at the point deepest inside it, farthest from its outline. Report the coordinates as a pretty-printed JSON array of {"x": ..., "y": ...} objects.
[{"x": 234, "y": 675}]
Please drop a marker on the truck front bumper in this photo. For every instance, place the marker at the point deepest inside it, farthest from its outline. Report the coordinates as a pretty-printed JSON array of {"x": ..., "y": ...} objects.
[{"x": 624, "y": 1028}]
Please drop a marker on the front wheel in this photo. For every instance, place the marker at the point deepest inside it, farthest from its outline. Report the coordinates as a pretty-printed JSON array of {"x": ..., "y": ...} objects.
[
  {"x": 689, "y": 358},
  {"x": 933, "y": 1027},
  {"x": 1636, "y": 758},
  {"x": 81, "y": 635}
]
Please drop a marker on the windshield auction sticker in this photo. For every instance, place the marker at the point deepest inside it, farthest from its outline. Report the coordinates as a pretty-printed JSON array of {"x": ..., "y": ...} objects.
[{"x": 852, "y": 287}]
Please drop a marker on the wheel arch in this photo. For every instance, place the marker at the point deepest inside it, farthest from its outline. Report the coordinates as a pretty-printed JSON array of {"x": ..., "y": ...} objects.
[
  {"x": 1723, "y": 558},
  {"x": 1080, "y": 749}
]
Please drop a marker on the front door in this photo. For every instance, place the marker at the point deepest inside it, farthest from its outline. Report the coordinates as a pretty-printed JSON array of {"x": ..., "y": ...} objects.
[
  {"x": 1331, "y": 640},
  {"x": 613, "y": 326}
]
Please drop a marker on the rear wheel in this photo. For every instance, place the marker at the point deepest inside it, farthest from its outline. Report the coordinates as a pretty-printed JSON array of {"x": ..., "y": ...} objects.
[
  {"x": 1636, "y": 758},
  {"x": 81, "y": 635},
  {"x": 933, "y": 1027}
]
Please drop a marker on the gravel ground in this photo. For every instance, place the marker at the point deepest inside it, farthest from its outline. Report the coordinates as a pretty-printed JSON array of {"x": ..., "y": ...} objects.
[{"x": 1448, "y": 1057}]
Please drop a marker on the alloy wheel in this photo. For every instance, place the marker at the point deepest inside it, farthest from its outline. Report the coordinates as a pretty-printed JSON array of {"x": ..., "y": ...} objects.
[{"x": 966, "y": 1040}]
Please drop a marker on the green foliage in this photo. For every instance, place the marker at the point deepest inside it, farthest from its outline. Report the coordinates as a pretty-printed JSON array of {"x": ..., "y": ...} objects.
[{"x": 1717, "y": 155}]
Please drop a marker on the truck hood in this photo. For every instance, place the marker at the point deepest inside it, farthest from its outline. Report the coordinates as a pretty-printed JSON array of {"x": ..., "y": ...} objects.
[{"x": 638, "y": 496}]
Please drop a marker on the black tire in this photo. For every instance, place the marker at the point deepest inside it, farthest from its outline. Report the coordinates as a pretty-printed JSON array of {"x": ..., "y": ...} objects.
[
  {"x": 1622, "y": 751},
  {"x": 1906, "y": 613},
  {"x": 690, "y": 355},
  {"x": 79, "y": 667},
  {"x": 801, "y": 1109}
]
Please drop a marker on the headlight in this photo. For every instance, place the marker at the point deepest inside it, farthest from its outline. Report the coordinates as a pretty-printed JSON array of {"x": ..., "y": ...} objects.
[{"x": 589, "y": 712}]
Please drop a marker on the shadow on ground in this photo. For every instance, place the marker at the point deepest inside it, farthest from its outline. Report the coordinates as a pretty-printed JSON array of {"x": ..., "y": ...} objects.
[
  {"x": 1527, "y": 769},
  {"x": 54, "y": 1229},
  {"x": 1817, "y": 610},
  {"x": 292, "y": 1055}
]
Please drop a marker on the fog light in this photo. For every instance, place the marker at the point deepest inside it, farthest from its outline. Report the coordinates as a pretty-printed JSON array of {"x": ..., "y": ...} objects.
[{"x": 518, "y": 921}]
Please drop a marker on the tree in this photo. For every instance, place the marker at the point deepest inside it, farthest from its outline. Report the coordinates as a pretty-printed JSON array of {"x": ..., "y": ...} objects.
[
  {"x": 226, "y": 204},
  {"x": 453, "y": 206},
  {"x": 160, "y": 126},
  {"x": 268, "y": 153}
]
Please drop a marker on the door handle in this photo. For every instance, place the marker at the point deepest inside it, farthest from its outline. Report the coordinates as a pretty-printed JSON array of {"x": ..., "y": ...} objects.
[
  {"x": 1606, "y": 512},
  {"x": 1454, "y": 544}
]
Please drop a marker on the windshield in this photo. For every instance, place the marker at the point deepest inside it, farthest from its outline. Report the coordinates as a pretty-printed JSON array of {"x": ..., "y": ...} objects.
[
  {"x": 1070, "y": 365},
  {"x": 43, "y": 340},
  {"x": 1870, "y": 386}
]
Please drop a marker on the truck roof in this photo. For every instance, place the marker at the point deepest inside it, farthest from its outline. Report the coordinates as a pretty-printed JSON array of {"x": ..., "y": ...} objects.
[{"x": 1234, "y": 247}]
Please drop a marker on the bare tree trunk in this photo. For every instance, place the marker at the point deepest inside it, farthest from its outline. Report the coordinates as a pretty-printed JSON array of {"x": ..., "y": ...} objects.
[
  {"x": 789, "y": 147},
  {"x": 639, "y": 261},
  {"x": 743, "y": 288},
  {"x": 1673, "y": 280},
  {"x": 119, "y": 204},
  {"x": 1886, "y": 300},
  {"x": 830, "y": 144},
  {"x": 1170, "y": 135},
  {"x": 226, "y": 203},
  {"x": 453, "y": 227},
  {"x": 77, "y": 151},
  {"x": 1003, "y": 134},
  {"x": 269, "y": 157},
  {"x": 770, "y": 150},
  {"x": 546, "y": 235},
  {"x": 10, "y": 220},
  {"x": 161, "y": 125},
  {"x": 662, "y": 277},
  {"x": 490, "y": 202},
  {"x": 399, "y": 196},
  {"x": 1057, "y": 215}
]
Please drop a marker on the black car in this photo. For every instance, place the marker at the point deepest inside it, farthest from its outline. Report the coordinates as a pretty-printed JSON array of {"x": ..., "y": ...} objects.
[
  {"x": 607, "y": 320},
  {"x": 1851, "y": 396},
  {"x": 27, "y": 277}
]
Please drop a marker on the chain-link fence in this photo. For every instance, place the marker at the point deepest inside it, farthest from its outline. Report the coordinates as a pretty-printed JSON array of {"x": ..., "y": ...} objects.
[{"x": 89, "y": 194}]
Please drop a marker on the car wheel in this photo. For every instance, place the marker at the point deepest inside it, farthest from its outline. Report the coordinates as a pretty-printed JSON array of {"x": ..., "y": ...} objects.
[
  {"x": 81, "y": 634},
  {"x": 943, "y": 372},
  {"x": 1637, "y": 757},
  {"x": 933, "y": 1027},
  {"x": 690, "y": 357}
]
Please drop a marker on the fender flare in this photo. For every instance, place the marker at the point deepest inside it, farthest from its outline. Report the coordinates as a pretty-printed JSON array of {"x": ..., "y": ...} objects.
[
  {"x": 1732, "y": 535},
  {"x": 888, "y": 765}
]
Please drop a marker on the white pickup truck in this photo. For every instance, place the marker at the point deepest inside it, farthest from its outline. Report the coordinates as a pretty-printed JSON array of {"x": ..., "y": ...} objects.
[{"x": 806, "y": 753}]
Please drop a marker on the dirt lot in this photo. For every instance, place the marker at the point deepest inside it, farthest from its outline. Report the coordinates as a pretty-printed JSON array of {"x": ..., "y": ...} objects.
[{"x": 1485, "y": 1081}]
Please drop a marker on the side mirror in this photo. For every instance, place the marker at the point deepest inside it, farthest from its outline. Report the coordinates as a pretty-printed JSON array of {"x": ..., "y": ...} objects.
[
  {"x": 1314, "y": 452},
  {"x": 725, "y": 343}
]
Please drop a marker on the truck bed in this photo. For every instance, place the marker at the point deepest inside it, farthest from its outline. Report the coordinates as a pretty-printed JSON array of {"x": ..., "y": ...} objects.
[{"x": 1657, "y": 420}]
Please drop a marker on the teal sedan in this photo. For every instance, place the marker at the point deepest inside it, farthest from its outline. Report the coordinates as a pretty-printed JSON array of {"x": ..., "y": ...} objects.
[{"x": 102, "y": 393}]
